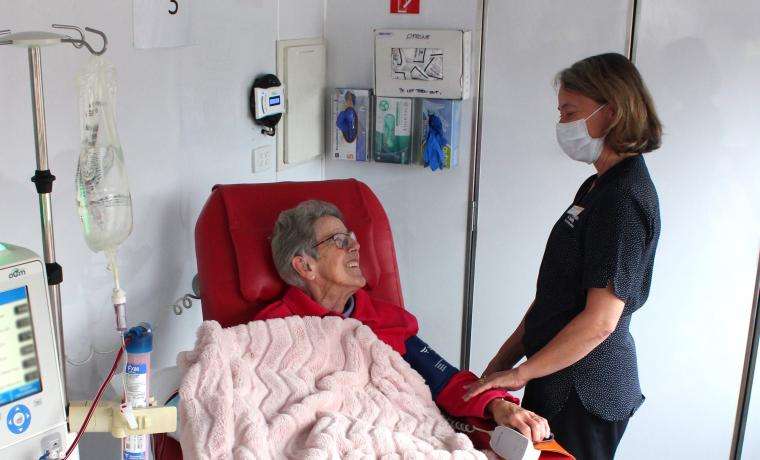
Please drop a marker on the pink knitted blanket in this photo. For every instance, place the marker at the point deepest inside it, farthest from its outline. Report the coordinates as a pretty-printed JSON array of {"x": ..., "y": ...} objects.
[{"x": 307, "y": 388}]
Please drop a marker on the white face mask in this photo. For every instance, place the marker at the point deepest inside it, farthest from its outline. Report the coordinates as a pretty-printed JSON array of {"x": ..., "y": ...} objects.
[{"x": 577, "y": 143}]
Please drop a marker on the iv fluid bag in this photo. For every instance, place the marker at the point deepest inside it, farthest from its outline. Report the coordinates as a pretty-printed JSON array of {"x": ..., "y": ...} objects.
[{"x": 103, "y": 198}]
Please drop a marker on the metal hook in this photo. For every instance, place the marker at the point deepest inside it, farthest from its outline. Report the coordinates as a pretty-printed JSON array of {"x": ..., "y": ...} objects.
[
  {"x": 81, "y": 34},
  {"x": 79, "y": 42},
  {"x": 102, "y": 36}
]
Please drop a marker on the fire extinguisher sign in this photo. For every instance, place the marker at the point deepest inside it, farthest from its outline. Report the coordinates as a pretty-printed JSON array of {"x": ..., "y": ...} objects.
[{"x": 405, "y": 6}]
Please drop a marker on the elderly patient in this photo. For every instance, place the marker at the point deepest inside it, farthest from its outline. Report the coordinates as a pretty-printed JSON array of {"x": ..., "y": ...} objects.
[{"x": 318, "y": 257}]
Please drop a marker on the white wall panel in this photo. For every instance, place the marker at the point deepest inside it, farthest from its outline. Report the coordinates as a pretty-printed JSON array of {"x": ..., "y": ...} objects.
[
  {"x": 427, "y": 211},
  {"x": 701, "y": 61},
  {"x": 526, "y": 182}
]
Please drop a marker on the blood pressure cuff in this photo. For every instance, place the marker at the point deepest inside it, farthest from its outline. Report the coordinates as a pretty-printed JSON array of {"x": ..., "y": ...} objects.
[{"x": 435, "y": 370}]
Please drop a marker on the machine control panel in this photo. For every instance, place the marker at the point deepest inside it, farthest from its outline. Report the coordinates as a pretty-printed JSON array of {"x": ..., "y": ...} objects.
[{"x": 18, "y": 419}]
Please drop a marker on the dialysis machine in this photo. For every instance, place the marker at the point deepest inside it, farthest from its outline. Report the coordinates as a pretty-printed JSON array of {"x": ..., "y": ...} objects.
[{"x": 32, "y": 408}]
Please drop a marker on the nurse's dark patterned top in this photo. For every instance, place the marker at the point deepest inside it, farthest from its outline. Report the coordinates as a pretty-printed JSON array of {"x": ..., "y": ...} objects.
[{"x": 608, "y": 236}]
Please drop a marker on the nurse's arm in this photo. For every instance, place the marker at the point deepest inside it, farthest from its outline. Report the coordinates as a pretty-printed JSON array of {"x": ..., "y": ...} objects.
[
  {"x": 576, "y": 340},
  {"x": 581, "y": 335}
]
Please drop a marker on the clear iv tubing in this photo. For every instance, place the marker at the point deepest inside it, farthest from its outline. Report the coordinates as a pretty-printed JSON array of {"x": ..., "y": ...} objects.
[
  {"x": 89, "y": 357},
  {"x": 111, "y": 256},
  {"x": 119, "y": 297},
  {"x": 119, "y": 301}
]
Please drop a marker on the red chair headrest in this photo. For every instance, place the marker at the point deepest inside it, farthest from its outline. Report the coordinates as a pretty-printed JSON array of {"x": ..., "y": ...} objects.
[{"x": 235, "y": 268}]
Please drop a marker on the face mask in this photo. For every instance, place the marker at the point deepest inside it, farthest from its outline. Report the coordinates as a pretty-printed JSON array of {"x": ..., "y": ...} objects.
[{"x": 576, "y": 142}]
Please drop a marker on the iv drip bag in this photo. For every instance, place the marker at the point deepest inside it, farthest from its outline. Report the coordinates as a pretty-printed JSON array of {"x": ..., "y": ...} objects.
[{"x": 103, "y": 197}]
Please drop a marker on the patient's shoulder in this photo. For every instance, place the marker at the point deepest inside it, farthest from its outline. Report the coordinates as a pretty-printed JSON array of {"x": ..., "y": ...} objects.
[
  {"x": 389, "y": 312},
  {"x": 277, "y": 309},
  {"x": 388, "y": 308}
]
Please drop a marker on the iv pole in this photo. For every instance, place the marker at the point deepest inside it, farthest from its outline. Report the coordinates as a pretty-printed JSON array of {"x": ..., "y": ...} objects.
[{"x": 43, "y": 179}]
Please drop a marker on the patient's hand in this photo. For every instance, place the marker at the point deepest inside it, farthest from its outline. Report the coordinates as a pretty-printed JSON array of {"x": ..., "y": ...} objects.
[{"x": 509, "y": 414}]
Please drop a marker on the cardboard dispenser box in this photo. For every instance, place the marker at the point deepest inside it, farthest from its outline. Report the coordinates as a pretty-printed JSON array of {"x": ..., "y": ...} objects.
[
  {"x": 448, "y": 112},
  {"x": 392, "y": 138},
  {"x": 350, "y": 128},
  {"x": 422, "y": 63}
]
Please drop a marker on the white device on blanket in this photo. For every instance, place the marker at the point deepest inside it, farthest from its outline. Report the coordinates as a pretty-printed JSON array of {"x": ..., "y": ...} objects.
[
  {"x": 505, "y": 442},
  {"x": 511, "y": 445}
]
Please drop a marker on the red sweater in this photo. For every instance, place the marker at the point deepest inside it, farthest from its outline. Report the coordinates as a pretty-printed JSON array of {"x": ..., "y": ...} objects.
[{"x": 393, "y": 325}]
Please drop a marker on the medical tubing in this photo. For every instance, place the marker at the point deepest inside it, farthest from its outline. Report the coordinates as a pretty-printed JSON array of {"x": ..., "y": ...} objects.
[
  {"x": 118, "y": 297},
  {"x": 184, "y": 302},
  {"x": 111, "y": 257},
  {"x": 92, "y": 353},
  {"x": 95, "y": 402},
  {"x": 461, "y": 426},
  {"x": 119, "y": 300}
]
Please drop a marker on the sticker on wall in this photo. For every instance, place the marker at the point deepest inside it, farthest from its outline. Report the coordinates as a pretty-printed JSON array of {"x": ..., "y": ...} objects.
[
  {"x": 405, "y": 6},
  {"x": 161, "y": 23}
]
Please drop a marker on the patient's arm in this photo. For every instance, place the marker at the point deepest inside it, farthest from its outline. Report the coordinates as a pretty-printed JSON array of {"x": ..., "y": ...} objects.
[{"x": 447, "y": 383}]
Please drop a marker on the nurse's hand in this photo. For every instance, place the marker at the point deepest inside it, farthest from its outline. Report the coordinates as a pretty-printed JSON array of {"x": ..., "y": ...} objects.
[
  {"x": 509, "y": 380},
  {"x": 532, "y": 426}
]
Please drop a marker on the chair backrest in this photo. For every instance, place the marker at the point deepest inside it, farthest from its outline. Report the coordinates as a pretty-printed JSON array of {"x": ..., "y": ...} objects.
[{"x": 235, "y": 268}]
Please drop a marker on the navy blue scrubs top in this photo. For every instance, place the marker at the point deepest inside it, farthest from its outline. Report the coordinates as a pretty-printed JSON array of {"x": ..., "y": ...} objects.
[{"x": 607, "y": 236}]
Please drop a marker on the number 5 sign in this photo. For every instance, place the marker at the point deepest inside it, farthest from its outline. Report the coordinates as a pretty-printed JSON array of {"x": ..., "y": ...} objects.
[
  {"x": 405, "y": 6},
  {"x": 161, "y": 23}
]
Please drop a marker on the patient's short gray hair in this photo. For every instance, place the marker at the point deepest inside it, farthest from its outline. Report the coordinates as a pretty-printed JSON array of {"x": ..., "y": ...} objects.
[{"x": 294, "y": 236}]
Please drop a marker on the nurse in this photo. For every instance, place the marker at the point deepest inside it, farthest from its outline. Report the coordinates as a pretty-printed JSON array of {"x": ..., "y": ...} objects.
[{"x": 581, "y": 372}]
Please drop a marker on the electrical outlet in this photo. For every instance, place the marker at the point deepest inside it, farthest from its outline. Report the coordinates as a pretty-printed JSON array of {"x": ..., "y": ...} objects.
[{"x": 261, "y": 159}]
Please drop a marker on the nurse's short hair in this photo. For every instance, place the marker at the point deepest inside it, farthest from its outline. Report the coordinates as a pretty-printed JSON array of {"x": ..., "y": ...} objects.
[
  {"x": 293, "y": 236},
  {"x": 612, "y": 79}
]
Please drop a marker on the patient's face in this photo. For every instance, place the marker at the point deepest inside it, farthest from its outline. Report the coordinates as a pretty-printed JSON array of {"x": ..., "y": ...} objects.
[{"x": 336, "y": 266}]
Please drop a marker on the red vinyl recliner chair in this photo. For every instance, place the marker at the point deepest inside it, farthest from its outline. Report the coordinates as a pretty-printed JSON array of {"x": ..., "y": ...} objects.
[{"x": 235, "y": 268}]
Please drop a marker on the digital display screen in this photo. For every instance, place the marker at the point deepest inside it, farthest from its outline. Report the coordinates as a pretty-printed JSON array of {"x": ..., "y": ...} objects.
[
  {"x": 274, "y": 100},
  {"x": 19, "y": 366}
]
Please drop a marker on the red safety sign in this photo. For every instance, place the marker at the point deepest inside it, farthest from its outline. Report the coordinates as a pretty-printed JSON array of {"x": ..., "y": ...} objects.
[{"x": 405, "y": 6}]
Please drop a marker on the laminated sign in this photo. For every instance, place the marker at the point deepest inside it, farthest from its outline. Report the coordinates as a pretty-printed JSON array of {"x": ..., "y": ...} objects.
[{"x": 422, "y": 63}]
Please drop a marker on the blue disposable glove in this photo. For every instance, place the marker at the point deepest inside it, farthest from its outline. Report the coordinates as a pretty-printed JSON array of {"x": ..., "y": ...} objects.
[
  {"x": 347, "y": 124},
  {"x": 433, "y": 154}
]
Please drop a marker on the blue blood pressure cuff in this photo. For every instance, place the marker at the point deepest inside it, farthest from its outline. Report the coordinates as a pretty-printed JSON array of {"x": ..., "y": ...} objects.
[{"x": 435, "y": 370}]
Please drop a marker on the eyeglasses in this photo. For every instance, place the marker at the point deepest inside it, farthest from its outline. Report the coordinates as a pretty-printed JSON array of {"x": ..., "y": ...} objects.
[{"x": 341, "y": 240}]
